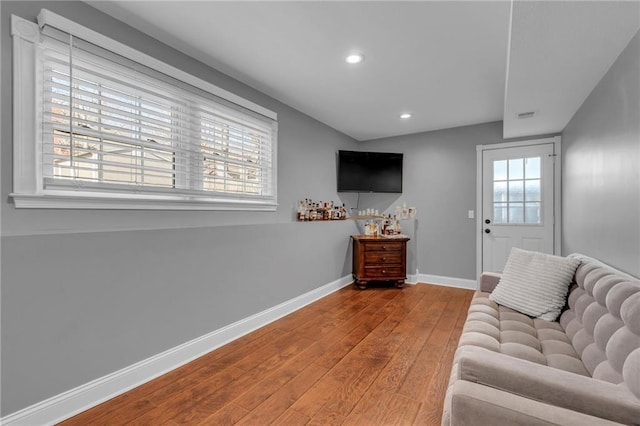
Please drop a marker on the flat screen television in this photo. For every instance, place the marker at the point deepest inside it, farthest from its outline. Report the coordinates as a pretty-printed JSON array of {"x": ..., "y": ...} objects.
[{"x": 369, "y": 171}]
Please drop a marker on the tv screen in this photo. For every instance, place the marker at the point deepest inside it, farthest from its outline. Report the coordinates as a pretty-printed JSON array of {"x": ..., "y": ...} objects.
[{"x": 369, "y": 172}]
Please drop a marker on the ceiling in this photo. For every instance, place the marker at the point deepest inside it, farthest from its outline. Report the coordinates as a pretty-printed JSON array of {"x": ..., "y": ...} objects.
[{"x": 448, "y": 63}]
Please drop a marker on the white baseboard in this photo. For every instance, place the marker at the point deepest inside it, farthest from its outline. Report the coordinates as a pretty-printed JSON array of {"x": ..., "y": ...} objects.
[
  {"x": 74, "y": 401},
  {"x": 448, "y": 281}
]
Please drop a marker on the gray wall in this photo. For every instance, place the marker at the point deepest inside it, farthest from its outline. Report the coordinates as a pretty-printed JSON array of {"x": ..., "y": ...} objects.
[
  {"x": 440, "y": 180},
  {"x": 601, "y": 173},
  {"x": 78, "y": 306},
  {"x": 85, "y": 293}
]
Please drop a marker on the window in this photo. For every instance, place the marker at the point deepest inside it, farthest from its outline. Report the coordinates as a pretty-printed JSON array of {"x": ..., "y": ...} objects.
[
  {"x": 517, "y": 195},
  {"x": 121, "y": 130}
]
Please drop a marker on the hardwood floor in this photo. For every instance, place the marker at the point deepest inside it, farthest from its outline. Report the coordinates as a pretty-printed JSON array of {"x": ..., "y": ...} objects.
[{"x": 374, "y": 357}]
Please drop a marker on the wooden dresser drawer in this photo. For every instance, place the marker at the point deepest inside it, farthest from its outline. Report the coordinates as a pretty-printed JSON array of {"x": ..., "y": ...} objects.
[
  {"x": 383, "y": 272},
  {"x": 383, "y": 257},
  {"x": 384, "y": 246}
]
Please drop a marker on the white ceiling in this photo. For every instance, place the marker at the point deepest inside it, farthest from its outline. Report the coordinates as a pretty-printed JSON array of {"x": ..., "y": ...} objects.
[
  {"x": 559, "y": 51},
  {"x": 448, "y": 63}
]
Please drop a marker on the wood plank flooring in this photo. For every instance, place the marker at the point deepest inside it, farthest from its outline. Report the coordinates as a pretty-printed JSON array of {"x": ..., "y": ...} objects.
[{"x": 374, "y": 357}]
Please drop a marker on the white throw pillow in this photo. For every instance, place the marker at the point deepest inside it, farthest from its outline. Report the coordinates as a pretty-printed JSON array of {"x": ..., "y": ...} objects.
[{"x": 535, "y": 284}]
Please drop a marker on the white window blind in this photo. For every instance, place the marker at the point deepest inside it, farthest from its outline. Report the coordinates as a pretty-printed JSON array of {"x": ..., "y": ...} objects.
[{"x": 112, "y": 125}]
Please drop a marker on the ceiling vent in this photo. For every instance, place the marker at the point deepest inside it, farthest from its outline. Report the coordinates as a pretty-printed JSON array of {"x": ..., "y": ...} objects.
[{"x": 524, "y": 115}]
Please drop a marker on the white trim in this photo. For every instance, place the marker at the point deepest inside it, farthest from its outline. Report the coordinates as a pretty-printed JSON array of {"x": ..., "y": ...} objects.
[
  {"x": 67, "y": 201},
  {"x": 557, "y": 213},
  {"x": 557, "y": 178},
  {"x": 448, "y": 281},
  {"x": 25, "y": 34},
  {"x": 46, "y": 17},
  {"x": 74, "y": 401},
  {"x": 517, "y": 144},
  {"x": 479, "y": 210}
]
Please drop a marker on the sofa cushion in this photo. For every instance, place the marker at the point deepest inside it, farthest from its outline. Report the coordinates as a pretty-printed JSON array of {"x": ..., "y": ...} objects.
[
  {"x": 502, "y": 329},
  {"x": 535, "y": 283},
  {"x": 598, "y": 335}
]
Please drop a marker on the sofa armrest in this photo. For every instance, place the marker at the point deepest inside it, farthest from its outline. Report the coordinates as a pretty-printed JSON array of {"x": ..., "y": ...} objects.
[
  {"x": 475, "y": 404},
  {"x": 488, "y": 281},
  {"x": 549, "y": 385}
]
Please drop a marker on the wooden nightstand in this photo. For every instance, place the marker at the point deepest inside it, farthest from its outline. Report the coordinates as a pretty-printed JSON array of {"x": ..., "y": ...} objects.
[{"x": 379, "y": 259}]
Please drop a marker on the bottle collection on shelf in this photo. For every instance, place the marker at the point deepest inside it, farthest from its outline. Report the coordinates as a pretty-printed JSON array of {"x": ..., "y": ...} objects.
[
  {"x": 386, "y": 225},
  {"x": 404, "y": 212},
  {"x": 375, "y": 223},
  {"x": 309, "y": 210}
]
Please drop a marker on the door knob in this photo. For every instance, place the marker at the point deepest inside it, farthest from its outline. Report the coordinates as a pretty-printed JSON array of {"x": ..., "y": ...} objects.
[
  {"x": 487, "y": 221},
  {"x": 487, "y": 231}
]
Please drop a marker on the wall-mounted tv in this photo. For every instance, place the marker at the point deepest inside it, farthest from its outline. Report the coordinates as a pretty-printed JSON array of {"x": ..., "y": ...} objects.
[{"x": 369, "y": 171}]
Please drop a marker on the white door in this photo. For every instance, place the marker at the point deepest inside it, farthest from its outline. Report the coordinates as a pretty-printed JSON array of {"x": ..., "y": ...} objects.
[{"x": 518, "y": 201}]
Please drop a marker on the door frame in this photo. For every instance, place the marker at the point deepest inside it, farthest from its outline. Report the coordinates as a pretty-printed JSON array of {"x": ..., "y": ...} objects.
[{"x": 557, "y": 187}]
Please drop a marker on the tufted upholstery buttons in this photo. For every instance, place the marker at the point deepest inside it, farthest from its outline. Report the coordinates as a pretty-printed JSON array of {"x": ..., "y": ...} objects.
[
  {"x": 504, "y": 330},
  {"x": 621, "y": 344},
  {"x": 602, "y": 287},
  {"x": 598, "y": 335},
  {"x": 603, "y": 323},
  {"x": 592, "y": 315},
  {"x": 618, "y": 294},
  {"x": 630, "y": 313},
  {"x": 592, "y": 278},
  {"x": 631, "y": 372}
]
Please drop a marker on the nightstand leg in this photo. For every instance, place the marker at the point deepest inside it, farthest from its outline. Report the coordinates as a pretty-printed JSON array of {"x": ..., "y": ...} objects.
[{"x": 400, "y": 283}]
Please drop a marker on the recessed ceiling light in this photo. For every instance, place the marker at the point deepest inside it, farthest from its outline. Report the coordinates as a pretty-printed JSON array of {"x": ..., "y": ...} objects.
[
  {"x": 405, "y": 115},
  {"x": 354, "y": 58}
]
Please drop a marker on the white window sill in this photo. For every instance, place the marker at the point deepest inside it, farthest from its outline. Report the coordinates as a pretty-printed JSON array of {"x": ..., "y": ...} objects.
[{"x": 122, "y": 202}]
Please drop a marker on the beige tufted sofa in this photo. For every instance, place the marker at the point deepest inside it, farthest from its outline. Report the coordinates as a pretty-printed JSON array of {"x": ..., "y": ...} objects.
[{"x": 584, "y": 369}]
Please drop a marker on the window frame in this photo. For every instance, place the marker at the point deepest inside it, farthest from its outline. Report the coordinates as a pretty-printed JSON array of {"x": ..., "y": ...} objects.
[
  {"x": 525, "y": 203},
  {"x": 29, "y": 189}
]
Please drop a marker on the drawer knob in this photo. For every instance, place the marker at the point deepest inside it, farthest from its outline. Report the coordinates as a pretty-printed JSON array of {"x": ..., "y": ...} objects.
[
  {"x": 384, "y": 272},
  {"x": 384, "y": 258},
  {"x": 384, "y": 247}
]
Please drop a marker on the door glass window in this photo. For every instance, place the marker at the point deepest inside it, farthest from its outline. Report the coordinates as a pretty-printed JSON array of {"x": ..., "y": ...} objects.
[{"x": 517, "y": 195}]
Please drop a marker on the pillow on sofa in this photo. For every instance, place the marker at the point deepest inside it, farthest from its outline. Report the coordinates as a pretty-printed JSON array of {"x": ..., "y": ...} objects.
[{"x": 534, "y": 283}]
